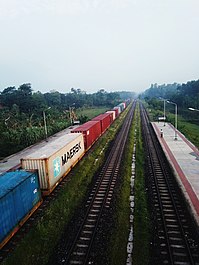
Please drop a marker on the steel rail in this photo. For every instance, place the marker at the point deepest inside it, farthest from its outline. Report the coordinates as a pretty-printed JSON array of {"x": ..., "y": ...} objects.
[
  {"x": 109, "y": 174},
  {"x": 163, "y": 179}
]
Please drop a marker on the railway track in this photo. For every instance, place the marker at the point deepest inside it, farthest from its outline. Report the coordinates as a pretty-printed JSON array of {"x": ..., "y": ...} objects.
[
  {"x": 175, "y": 241},
  {"x": 99, "y": 199}
]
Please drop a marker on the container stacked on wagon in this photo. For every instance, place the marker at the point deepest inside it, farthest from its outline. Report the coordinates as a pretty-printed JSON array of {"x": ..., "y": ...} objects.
[
  {"x": 20, "y": 196},
  {"x": 55, "y": 160}
]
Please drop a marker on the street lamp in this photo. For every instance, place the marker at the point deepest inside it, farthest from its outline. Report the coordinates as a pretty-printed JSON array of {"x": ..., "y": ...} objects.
[
  {"x": 193, "y": 109},
  {"x": 45, "y": 127},
  {"x": 176, "y": 117}
]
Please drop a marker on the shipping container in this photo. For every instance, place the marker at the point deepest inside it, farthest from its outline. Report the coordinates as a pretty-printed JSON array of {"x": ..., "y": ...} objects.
[
  {"x": 55, "y": 159},
  {"x": 20, "y": 196},
  {"x": 121, "y": 105},
  {"x": 105, "y": 120},
  {"x": 128, "y": 101},
  {"x": 118, "y": 110},
  {"x": 91, "y": 131},
  {"x": 113, "y": 113}
]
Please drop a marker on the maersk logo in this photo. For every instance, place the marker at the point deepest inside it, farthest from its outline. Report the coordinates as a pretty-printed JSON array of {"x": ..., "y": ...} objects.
[
  {"x": 57, "y": 166},
  {"x": 68, "y": 155}
]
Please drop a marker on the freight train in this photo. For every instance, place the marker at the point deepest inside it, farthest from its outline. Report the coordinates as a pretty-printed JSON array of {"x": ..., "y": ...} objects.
[{"x": 21, "y": 191}]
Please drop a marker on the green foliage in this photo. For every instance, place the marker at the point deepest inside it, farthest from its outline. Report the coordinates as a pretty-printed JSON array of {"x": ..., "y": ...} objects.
[
  {"x": 22, "y": 130},
  {"x": 185, "y": 95},
  {"x": 21, "y": 113},
  {"x": 127, "y": 94},
  {"x": 160, "y": 91}
]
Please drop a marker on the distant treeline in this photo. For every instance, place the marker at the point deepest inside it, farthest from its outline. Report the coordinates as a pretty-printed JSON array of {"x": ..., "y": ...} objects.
[
  {"x": 28, "y": 101},
  {"x": 185, "y": 95}
]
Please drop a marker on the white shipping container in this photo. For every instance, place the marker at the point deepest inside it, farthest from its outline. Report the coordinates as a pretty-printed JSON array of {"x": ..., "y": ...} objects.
[
  {"x": 123, "y": 104},
  {"x": 113, "y": 112},
  {"x": 55, "y": 159},
  {"x": 119, "y": 109}
]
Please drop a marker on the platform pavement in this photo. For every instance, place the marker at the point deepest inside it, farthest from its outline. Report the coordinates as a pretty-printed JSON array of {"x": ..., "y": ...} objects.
[
  {"x": 12, "y": 161},
  {"x": 184, "y": 158}
]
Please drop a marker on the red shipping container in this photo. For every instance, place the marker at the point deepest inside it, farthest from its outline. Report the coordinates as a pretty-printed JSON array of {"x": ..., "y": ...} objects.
[
  {"x": 116, "y": 112},
  {"x": 113, "y": 114},
  {"x": 91, "y": 131},
  {"x": 105, "y": 120}
]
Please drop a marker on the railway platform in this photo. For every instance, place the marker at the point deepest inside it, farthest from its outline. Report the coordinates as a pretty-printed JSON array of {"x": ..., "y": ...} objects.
[
  {"x": 184, "y": 159},
  {"x": 13, "y": 161}
]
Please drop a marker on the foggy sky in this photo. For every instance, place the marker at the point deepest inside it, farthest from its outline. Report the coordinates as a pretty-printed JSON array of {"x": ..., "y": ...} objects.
[{"x": 94, "y": 44}]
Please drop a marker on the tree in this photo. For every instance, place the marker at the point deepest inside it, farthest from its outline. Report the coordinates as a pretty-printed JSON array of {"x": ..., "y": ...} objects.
[
  {"x": 24, "y": 98},
  {"x": 53, "y": 98},
  {"x": 8, "y": 96}
]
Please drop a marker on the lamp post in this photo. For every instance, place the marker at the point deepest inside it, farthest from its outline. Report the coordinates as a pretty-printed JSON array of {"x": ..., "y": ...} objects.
[
  {"x": 70, "y": 113},
  {"x": 164, "y": 111},
  {"x": 45, "y": 127},
  {"x": 176, "y": 117},
  {"x": 164, "y": 100}
]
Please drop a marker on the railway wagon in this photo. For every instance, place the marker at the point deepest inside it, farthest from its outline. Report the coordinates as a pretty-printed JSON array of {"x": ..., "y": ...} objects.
[
  {"x": 127, "y": 102},
  {"x": 122, "y": 106},
  {"x": 105, "y": 120},
  {"x": 20, "y": 196},
  {"x": 91, "y": 131},
  {"x": 54, "y": 160},
  {"x": 118, "y": 110},
  {"x": 113, "y": 113}
]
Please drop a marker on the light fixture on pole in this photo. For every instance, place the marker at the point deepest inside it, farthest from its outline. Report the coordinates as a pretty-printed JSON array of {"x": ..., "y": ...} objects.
[
  {"x": 193, "y": 109},
  {"x": 45, "y": 127},
  {"x": 176, "y": 117}
]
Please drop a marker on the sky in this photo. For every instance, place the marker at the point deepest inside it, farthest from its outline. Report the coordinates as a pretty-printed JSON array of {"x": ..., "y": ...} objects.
[{"x": 92, "y": 44}]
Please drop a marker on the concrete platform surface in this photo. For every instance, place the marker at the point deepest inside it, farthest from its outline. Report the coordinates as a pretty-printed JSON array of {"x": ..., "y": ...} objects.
[
  {"x": 184, "y": 158},
  {"x": 13, "y": 161}
]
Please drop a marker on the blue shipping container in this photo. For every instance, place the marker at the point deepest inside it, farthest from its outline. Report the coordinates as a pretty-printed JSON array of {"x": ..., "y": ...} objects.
[{"x": 19, "y": 194}]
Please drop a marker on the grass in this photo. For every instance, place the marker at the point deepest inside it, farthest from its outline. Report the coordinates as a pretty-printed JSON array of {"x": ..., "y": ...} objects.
[
  {"x": 38, "y": 245},
  {"x": 190, "y": 130},
  {"x": 91, "y": 112},
  {"x": 141, "y": 214},
  {"x": 117, "y": 252}
]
